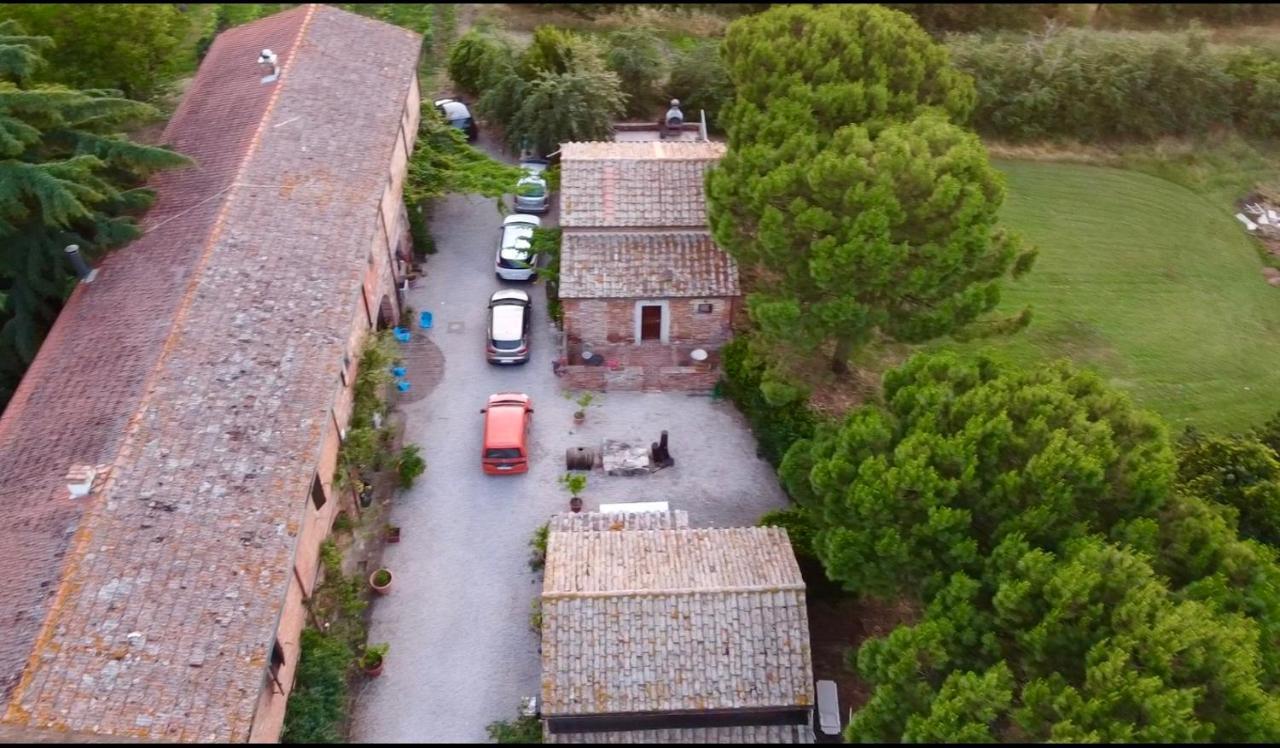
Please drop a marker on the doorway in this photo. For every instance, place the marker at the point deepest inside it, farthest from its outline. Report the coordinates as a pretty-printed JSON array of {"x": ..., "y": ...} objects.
[{"x": 651, "y": 321}]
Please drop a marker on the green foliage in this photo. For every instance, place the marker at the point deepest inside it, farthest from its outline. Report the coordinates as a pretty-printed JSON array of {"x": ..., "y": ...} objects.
[
  {"x": 546, "y": 243},
  {"x": 1092, "y": 85},
  {"x": 965, "y": 453},
  {"x": 373, "y": 655},
  {"x": 524, "y": 730},
  {"x": 559, "y": 51},
  {"x": 798, "y": 524},
  {"x": 776, "y": 427},
  {"x": 939, "y": 17},
  {"x": 478, "y": 61},
  {"x": 409, "y": 465},
  {"x": 443, "y": 162},
  {"x": 539, "y": 545},
  {"x": 557, "y": 108},
  {"x": 892, "y": 233},
  {"x": 834, "y": 65},
  {"x": 535, "y": 615},
  {"x": 574, "y": 483},
  {"x": 1256, "y": 90},
  {"x": 317, "y": 705},
  {"x": 635, "y": 56},
  {"x": 66, "y": 177},
  {"x": 364, "y": 449},
  {"x": 701, "y": 82},
  {"x": 1240, "y": 472},
  {"x": 130, "y": 47},
  {"x": 423, "y": 242}
]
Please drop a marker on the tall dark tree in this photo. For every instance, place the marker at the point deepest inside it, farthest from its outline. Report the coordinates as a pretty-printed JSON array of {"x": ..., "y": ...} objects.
[{"x": 66, "y": 177}]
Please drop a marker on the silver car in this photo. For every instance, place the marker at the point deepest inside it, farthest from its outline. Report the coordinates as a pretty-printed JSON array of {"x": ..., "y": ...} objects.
[
  {"x": 532, "y": 195},
  {"x": 508, "y": 330}
]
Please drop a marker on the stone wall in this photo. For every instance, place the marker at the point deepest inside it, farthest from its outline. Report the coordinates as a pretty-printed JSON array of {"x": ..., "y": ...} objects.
[{"x": 602, "y": 321}]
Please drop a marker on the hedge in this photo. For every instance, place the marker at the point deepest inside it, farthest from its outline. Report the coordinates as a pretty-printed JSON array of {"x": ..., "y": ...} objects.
[
  {"x": 776, "y": 427},
  {"x": 1094, "y": 85}
]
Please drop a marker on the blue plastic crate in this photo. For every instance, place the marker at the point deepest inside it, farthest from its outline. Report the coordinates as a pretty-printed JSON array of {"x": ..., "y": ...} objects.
[
  {"x": 397, "y": 371},
  {"x": 424, "y": 320},
  {"x": 402, "y": 386}
]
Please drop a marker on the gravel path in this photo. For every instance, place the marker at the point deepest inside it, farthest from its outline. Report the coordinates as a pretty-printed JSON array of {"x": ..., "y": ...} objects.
[{"x": 462, "y": 654}]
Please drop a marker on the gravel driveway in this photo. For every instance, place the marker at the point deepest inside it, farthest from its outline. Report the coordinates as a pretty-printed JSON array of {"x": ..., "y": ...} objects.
[{"x": 457, "y": 619}]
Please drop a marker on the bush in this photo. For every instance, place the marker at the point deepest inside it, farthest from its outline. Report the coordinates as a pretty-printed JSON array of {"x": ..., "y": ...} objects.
[
  {"x": 1256, "y": 93},
  {"x": 318, "y": 704},
  {"x": 423, "y": 242},
  {"x": 799, "y": 526},
  {"x": 1095, "y": 85},
  {"x": 635, "y": 56},
  {"x": 562, "y": 107},
  {"x": 700, "y": 81},
  {"x": 522, "y": 730},
  {"x": 539, "y": 545},
  {"x": 478, "y": 60},
  {"x": 409, "y": 465},
  {"x": 555, "y": 50},
  {"x": 776, "y": 427}
]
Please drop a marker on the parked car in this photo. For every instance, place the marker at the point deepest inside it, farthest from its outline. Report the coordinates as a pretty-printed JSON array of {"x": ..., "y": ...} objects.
[
  {"x": 532, "y": 195},
  {"x": 458, "y": 115},
  {"x": 506, "y": 434},
  {"x": 515, "y": 260},
  {"x": 508, "y": 331}
]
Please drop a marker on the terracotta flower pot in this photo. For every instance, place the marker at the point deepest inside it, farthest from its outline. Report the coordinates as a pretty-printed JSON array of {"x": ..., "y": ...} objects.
[
  {"x": 575, "y": 504},
  {"x": 579, "y": 417},
  {"x": 393, "y": 534},
  {"x": 373, "y": 581},
  {"x": 376, "y": 670}
]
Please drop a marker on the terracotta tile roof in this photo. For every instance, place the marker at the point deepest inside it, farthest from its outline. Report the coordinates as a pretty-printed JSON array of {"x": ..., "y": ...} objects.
[
  {"x": 199, "y": 368},
  {"x": 689, "y": 736},
  {"x": 671, "y": 619},
  {"x": 644, "y": 265},
  {"x": 631, "y": 185}
]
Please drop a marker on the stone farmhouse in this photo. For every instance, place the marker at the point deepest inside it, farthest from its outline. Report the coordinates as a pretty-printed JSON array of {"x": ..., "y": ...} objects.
[
  {"x": 645, "y": 290},
  {"x": 655, "y": 632},
  {"x": 166, "y": 464}
]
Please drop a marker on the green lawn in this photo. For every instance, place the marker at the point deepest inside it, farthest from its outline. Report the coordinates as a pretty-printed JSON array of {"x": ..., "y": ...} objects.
[{"x": 1152, "y": 284}]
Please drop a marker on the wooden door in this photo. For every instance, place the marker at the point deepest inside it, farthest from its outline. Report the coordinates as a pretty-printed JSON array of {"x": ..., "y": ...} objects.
[{"x": 651, "y": 322}]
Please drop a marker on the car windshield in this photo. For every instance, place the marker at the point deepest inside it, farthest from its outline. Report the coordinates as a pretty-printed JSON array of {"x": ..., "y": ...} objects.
[
  {"x": 515, "y": 245},
  {"x": 505, "y": 345},
  {"x": 531, "y": 188},
  {"x": 461, "y": 124},
  {"x": 508, "y": 453}
]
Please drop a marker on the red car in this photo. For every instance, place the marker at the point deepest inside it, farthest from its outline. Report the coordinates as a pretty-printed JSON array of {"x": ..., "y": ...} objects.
[{"x": 506, "y": 434}]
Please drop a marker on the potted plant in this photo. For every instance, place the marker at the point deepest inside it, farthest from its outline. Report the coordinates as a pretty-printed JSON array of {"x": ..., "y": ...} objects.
[
  {"x": 574, "y": 482},
  {"x": 380, "y": 581},
  {"x": 372, "y": 659},
  {"x": 393, "y": 533},
  {"x": 583, "y": 400}
]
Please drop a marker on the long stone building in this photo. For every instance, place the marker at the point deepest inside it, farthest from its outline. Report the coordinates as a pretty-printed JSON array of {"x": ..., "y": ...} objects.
[{"x": 166, "y": 463}]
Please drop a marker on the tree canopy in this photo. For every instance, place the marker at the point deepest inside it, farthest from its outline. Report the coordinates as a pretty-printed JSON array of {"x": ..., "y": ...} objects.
[{"x": 66, "y": 177}]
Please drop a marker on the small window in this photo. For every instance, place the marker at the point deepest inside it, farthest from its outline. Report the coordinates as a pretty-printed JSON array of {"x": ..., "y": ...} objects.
[
  {"x": 317, "y": 493},
  {"x": 705, "y": 308}
]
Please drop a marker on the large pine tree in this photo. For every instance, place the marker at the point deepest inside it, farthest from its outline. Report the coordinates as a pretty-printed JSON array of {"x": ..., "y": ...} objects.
[{"x": 67, "y": 176}]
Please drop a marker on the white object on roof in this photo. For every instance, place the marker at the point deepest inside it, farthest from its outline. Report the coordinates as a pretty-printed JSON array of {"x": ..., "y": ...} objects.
[
  {"x": 1247, "y": 223},
  {"x": 635, "y": 506},
  {"x": 828, "y": 708}
]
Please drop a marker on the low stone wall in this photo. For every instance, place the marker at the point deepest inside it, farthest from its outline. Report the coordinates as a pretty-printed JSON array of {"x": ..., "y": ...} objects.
[{"x": 641, "y": 378}]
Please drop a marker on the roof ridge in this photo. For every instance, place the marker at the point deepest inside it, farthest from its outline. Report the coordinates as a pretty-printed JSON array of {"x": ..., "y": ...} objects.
[
  {"x": 676, "y": 591},
  {"x": 82, "y": 535}
]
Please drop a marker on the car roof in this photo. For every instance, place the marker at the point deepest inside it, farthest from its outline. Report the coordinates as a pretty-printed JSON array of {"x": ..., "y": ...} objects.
[
  {"x": 509, "y": 294},
  {"x": 454, "y": 109},
  {"x": 521, "y": 218},
  {"x": 508, "y": 322}
]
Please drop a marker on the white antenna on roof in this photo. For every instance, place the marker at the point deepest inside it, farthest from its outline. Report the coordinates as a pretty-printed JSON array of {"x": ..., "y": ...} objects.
[{"x": 268, "y": 61}]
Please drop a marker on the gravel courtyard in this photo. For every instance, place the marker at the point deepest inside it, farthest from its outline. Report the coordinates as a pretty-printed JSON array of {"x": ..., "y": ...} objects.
[{"x": 457, "y": 619}]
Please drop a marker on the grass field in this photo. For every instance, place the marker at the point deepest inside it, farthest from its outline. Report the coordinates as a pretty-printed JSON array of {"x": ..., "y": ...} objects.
[{"x": 1155, "y": 286}]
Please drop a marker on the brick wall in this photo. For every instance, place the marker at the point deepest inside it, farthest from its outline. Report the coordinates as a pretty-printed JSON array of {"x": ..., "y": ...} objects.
[{"x": 614, "y": 320}]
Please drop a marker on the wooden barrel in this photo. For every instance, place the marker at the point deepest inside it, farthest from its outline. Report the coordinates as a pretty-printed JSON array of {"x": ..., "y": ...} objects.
[{"x": 579, "y": 458}]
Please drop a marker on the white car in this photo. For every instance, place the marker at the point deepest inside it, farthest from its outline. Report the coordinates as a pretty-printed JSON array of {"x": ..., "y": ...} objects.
[{"x": 515, "y": 260}]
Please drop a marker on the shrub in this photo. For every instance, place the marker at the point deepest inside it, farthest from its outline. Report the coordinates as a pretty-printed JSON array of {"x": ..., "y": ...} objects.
[
  {"x": 478, "y": 60},
  {"x": 423, "y": 242},
  {"x": 546, "y": 242},
  {"x": 409, "y": 465},
  {"x": 701, "y": 82},
  {"x": 539, "y": 545},
  {"x": 799, "y": 526},
  {"x": 555, "y": 50},
  {"x": 1095, "y": 85},
  {"x": 1256, "y": 93},
  {"x": 373, "y": 655},
  {"x": 317, "y": 706},
  {"x": 636, "y": 58},
  {"x": 562, "y": 107},
  {"x": 524, "y": 730},
  {"x": 776, "y": 427}
]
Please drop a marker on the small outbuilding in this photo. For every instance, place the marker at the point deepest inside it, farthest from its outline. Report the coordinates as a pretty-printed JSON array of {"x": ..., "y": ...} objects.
[
  {"x": 648, "y": 297},
  {"x": 655, "y": 632}
]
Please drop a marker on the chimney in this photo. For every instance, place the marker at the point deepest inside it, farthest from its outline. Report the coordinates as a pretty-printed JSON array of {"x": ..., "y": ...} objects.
[
  {"x": 270, "y": 65},
  {"x": 82, "y": 268},
  {"x": 80, "y": 480}
]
